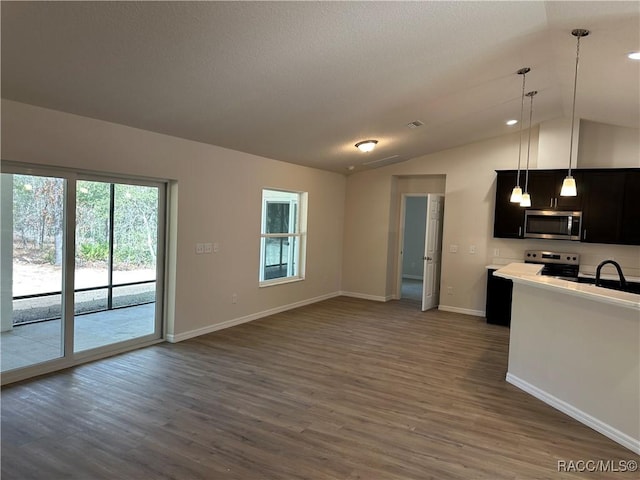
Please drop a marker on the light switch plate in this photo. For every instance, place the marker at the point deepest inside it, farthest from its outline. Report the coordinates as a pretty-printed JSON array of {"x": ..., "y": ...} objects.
[
  {"x": 199, "y": 248},
  {"x": 208, "y": 248},
  {"x": 453, "y": 248}
]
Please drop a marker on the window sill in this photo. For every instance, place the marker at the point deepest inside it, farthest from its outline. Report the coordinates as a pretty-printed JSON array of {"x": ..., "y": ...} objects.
[{"x": 279, "y": 281}]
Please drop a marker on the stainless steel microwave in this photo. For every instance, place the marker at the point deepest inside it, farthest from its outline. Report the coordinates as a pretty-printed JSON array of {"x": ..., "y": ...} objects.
[{"x": 552, "y": 224}]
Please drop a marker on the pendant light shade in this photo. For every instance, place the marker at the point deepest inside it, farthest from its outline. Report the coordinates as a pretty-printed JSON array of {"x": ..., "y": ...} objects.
[
  {"x": 516, "y": 193},
  {"x": 569, "y": 188},
  {"x": 526, "y": 198}
]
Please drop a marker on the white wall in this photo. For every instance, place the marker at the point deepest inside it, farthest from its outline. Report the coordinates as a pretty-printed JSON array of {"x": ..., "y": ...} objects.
[
  {"x": 608, "y": 146},
  {"x": 219, "y": 201},
  {"x": 371, "y": 232}
]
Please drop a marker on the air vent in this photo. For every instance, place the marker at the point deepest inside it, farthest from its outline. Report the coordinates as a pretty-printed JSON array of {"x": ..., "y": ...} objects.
[
  {"x": 382, "y": 160},
  {"x": 415, "y": 124}
]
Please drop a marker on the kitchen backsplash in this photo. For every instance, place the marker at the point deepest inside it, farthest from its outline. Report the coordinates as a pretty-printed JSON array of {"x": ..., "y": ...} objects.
[{"x": 511, "y": 250}]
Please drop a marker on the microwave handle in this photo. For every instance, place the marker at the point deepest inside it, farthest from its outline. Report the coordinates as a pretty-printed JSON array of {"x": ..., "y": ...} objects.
[{"x": 569, "y": 225}]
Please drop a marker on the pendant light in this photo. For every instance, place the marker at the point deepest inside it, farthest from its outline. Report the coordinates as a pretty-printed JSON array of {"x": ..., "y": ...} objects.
[
  {"x": 526, "y": 198},
  {"x": 516, "y": 193},
  {"x": 569, "y": 184}
]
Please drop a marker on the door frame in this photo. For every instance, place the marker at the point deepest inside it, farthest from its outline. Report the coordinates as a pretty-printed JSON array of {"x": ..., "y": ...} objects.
[
  {"x": 403, "y": 211},
  {"x": 69, "y": 357}
]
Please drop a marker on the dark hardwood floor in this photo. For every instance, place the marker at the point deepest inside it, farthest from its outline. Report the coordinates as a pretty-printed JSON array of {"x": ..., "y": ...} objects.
[{"x": 343, "y": 389}]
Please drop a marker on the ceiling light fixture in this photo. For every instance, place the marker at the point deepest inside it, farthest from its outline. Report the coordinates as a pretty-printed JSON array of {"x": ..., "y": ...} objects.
[
  {"x": 366, "y": 145},
  {"x": 511, "y": 122},
  {"x": 569, "y": 184},
  {"x": 526, "y": 198},
  {"x": 634, "y": 55},
  {"x": 516, "y": 193}
]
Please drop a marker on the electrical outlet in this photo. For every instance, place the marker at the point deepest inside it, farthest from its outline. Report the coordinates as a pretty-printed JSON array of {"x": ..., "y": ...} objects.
[
  {"x": 496, "y": 252},
  {"x": 453, "y": 248},
  {"x": 234, "y": 298},
  {"x": 449, "y": 290},
  {"x": 199, "y": 248},
  {"x": 472, "y": 249}
]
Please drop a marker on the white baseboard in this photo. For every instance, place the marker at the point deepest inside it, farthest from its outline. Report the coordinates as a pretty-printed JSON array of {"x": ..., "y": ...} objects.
[
  {"x": 605, "y": 429},
  {"x": 366, "y": 296},
  {"x": 248, "y": 318},
  {"x": 466, "y": 311}
]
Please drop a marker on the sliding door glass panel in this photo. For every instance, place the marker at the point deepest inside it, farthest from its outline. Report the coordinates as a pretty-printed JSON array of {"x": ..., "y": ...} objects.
[
  {"x": 31, "y": 256},
  {"x": 93, "y": 226},
  {"x": 116, "y": 257}
]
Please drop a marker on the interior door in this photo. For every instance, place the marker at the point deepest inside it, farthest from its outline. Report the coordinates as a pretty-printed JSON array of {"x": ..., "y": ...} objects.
[{"x": 432, "y": 252}]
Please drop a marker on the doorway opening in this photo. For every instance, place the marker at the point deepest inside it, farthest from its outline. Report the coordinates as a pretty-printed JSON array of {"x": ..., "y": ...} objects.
[{"x": 420, "y": 255}]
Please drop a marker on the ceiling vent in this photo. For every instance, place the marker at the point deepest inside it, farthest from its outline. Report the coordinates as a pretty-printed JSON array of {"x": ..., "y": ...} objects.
[
  {"x": 383, "y": 161},
  {"x": 415, "y": 124}
]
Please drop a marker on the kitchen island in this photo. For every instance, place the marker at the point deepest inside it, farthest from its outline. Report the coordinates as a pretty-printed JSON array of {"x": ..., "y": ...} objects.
[{"x": 576, "y": 347}]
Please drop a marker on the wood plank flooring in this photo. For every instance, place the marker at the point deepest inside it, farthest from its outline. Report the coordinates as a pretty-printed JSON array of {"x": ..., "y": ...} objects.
[{"x": 342, "y": 389}]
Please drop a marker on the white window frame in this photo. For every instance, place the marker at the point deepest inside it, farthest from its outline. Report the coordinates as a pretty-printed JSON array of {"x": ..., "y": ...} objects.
[{"x": 297, "y": 229}]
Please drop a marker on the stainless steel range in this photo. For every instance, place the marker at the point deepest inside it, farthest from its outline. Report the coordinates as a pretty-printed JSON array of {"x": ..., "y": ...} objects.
[{"x": 556, "y": 264}]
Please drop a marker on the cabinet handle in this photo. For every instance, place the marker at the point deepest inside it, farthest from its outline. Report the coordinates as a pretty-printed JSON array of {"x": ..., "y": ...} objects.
[
  {"x": 551, "y": 203},
  {"x": 556, "y": 203},
  {"x": 519, "y": 231},
  {"x": 584, "y": 234}
]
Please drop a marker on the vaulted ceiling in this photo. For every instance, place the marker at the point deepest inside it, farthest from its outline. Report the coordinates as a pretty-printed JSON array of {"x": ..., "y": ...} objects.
[{"x": 302, "y": 82}]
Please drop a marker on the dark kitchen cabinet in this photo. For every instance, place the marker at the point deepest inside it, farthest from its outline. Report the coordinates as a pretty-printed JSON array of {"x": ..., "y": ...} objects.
[
  {"x": 604, "y": 193},
  {"x": 499, "y": 299},
  {"x": 607, "y": 198},
  {"x": 508, "y": 221},
  {"x": 545, "y": 186},
  {"x": 630, "y": 234}
]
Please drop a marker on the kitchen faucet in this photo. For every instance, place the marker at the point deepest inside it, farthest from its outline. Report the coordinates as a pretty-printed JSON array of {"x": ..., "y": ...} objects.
[{"x": 623, "y": 282}]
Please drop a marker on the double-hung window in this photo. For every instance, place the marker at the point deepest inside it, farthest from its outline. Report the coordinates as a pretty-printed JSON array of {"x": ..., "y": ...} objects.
[{"x": 283, "y": 236}]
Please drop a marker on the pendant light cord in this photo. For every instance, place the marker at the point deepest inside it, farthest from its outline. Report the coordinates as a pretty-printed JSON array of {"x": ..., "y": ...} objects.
[
  {"x": 524, "y": 77},
  {"x": 573, "y": 111},
  {"x": 530, "y": 95}
]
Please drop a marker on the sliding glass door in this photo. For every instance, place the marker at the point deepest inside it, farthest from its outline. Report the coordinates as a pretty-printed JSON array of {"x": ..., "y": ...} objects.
[{"x": 82, "y": 266}]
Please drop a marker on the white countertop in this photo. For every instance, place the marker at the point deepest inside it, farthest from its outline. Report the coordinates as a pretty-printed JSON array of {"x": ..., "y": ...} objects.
[{"x": 528, "y": 273}]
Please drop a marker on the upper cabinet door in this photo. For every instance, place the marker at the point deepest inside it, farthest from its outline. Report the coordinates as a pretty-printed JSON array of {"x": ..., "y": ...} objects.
[
  {"x": 631, "y": 210},
  {"x": 508, "y": 220},
  {"x": 602, "y": 212}
]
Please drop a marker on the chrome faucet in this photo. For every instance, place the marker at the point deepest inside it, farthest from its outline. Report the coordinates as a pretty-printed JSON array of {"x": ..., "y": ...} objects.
[{"x": 623, "y": 282}]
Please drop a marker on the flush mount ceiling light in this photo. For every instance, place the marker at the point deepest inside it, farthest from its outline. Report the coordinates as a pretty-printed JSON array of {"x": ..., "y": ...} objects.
[
  {"x": 526, "y": 198},
  {"x": 516, "y": 193},
  {"x": 366, "y": 145},
  {"x": 569, "y": 184},
  {"x": 634, "y": 55},
  {"x": 511, "y": 122}
]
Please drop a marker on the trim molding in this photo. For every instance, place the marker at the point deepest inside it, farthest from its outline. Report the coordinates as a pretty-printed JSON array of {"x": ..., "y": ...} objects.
[
  {"x": 466, "y": 311},
  {"x": 175, "y": 338},
  {"x": 605, "y": 429},
  {"x": 366, "y": 296}
]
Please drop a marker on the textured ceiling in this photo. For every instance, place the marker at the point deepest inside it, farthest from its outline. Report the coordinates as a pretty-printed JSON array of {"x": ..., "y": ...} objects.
[{"x": 304, "y": 81}]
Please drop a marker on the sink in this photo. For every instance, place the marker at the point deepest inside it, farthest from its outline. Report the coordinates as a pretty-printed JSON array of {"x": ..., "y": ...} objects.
[{"x": 631, "y": 287}]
